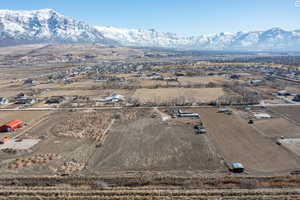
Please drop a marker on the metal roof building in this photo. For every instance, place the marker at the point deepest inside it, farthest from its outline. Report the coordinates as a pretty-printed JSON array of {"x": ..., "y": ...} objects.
[{"x": 237, "y": 167}]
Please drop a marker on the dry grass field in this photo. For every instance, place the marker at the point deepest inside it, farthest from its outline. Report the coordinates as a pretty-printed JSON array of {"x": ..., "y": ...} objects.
[
  {"x": 69, "y": 93},
  {"x": 292, "y": 113},
  {"x": 20, "y": 49},
  {"x": 167, "y": 94},
  {"x": 292, "y": 144},
  {"x": 25, "y": 116},
  {"x": 154, "y": 83},
  {"x": 277, "y": 127},
  {"x": 134, "y": 142},
  {"x": 75, "y": 85},
  {"x": 202, "y": 80}
]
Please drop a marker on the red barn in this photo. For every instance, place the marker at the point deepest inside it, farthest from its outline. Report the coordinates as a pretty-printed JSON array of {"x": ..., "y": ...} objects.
[{"x": 11, "y": 126}]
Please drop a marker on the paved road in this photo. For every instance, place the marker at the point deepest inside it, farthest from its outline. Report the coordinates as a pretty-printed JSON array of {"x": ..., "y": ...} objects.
[{"x": 139, "y": 107}]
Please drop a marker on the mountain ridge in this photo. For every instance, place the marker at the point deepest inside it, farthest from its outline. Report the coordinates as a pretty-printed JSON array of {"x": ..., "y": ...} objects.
[
  {"x": 47, "y": 26},
  {"x": 271, "y": 39}
]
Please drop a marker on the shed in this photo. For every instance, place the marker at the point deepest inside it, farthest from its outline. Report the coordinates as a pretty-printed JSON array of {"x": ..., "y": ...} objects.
[
  {"x": 297, "y": 98},
  {"x": 188, "y": 115},
  {"x": 237, "y": 167},
  {"x": 262, "y": 116},
  {"x": 55, "y": 100},
  {"x": 11, "y": 126},
  {"x": 21, "y": 96},
  {"x": 3, "y": 101}
]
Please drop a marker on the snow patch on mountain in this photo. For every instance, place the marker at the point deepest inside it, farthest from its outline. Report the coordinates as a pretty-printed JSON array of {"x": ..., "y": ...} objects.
[
  {"x": 272, "y": 39},
  {"x": 45, "y": 25}
]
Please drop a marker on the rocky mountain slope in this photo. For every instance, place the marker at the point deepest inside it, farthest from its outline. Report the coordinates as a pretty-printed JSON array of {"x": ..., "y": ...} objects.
[
  {"x": 48, "y": 26},
  {"x": 272, "y": 39}
]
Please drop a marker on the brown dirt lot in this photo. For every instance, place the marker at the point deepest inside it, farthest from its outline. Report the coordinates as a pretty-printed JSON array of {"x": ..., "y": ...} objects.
[
  {"x": 153, "y": 83},
  {"x": 69, "y": 147},
  {"x": 25, "y": 116},
  {"x": 292, "y": 113},
  {"x": 239, "y": 142},
  {"x": 138, "y": 142},
  {"x": 69, "y": 93},
  {"x": 135, "y": 142},
  {"x": 167, "y": 94},
  {"x": 277, "y": 127},
  {"x": 151, "y": 144},
  {"x": 202, "y": 80},
  {"x": 293, "y": 145}
]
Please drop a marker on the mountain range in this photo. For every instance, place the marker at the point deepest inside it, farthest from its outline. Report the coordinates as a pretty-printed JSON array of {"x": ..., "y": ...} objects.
[{"x": 49, "y": 26}]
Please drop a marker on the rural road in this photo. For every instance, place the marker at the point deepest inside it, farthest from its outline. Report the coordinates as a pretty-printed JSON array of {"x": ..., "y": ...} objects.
[{"x": 137, "y": 107}]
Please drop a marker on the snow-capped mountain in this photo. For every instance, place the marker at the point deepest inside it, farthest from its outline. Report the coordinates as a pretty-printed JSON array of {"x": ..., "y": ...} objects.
[
  {"x": 272, "y": 39},
  {"x": 46, "y": 25}
]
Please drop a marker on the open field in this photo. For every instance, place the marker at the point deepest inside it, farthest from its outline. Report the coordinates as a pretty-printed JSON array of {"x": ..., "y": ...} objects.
[
  {"x": 155, "y": 83},
  {"x": 20, "y": 49},
  {"x": 69, "y": 93},
  {"x": 6, "y": 116},
  {"x": 134, "y": 142},
  {"x": 292, "y": 144},
  {"x": 138, "y": 140},
  {"x": 169, "y": 94},
  {"x": 276, "y": 127},
  {"x": 239, "y": 142},
  {"x": 57, "y": 139},
  {"x": 202, "y": 80},
  {"x": 292, "y": 113},
  {"x": 153, "y": 145}
]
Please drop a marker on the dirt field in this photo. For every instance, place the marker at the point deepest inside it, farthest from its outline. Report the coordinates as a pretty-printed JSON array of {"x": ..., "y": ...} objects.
[
  {"x": 154, "y": 145},
  {"x": 134, "y": 142},
  {"x": 239, "y": 142},
  {"x": 292, "y": 113},
  {"x": 277, "y": 127},
  {"x": 71, "y": 148},
  {"x": 168, "y": 94},
  {"x": 292, "y": 144},
  {"x": 25, "y": 116},
  {"x": 154, "y": 83},
  {"x": 75, "y": 85},
  {"x": 69, "y": 93},
  {"x": 202, "y": 80},
  {"x": 137, "y": 141}
]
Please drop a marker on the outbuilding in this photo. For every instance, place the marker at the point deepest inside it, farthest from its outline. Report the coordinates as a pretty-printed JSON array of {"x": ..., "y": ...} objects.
[
  {"x": 297, "y": 98},
  {"x": 3, "y": 101},
  {"x": 237, "y": 167},
  {"x": 11, "y": 126}
]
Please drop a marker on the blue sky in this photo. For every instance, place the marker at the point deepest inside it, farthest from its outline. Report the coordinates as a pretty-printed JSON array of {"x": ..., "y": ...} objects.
[{"x": 188, "y": 17}]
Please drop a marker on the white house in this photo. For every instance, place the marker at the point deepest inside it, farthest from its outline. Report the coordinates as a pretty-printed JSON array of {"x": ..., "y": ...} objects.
[{"x": 112, "y": 98}]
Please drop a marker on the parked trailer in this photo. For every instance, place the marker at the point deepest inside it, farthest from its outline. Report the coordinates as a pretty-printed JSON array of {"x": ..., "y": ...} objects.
[{"x": 11, "y": 126}]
